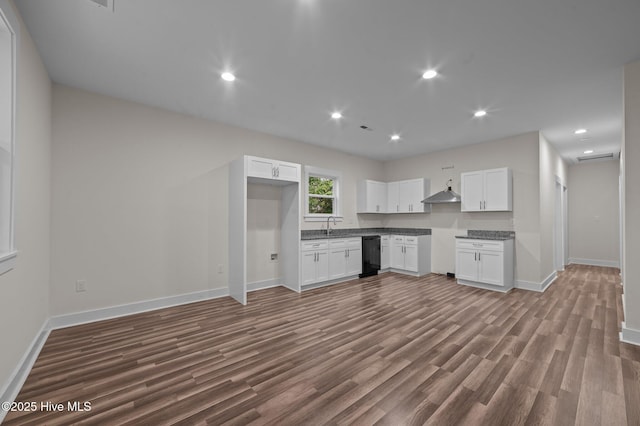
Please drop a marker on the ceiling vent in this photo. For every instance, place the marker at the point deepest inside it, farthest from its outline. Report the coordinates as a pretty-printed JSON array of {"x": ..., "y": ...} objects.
[
  {"x": 595, "y": 157},
  {"x": 108, "y": 4}
]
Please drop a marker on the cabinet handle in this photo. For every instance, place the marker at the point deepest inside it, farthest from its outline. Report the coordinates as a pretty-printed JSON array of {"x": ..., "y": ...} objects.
[
  {"x": 348, "y": 253},
  {"x": 480, "y": 205},
  {"x": 478, "y": 256},
  {"x": 475, "y": 256},
  {"x": 484, "y": 205}
]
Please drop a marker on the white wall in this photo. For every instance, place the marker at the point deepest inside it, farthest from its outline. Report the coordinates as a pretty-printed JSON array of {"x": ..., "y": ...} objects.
[
  {"x": 631, "y": 176},
  {"x": 552, "y": 166},
  {"x": 520, "y": 153},
  {"x": 140, "y": 198},
  {"x": 594, "y": 234},
  {"x": 24, "y": 291}
]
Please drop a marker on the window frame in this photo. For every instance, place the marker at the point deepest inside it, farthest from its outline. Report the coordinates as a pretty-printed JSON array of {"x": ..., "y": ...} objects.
[
  {"x": 336, "y": 176},
  {"x": 8, "y": 258}
]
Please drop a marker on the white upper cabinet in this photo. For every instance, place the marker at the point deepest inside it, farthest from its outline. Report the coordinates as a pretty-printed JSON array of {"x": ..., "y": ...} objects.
[
  {"x": 273, "y": 169},
  {"x": 393, "y": 197},
  {"x": 487, "y": 190},
  {"x": 372, "y": 196},
  {"x": 410, "y": 196}
]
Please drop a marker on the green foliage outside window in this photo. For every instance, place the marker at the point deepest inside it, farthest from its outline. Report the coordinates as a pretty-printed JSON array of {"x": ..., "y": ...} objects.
[{"x": 320, "y": 195}]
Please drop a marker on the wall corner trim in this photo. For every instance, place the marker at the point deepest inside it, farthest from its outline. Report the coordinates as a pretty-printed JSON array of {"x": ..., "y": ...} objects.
[
  {"x": 538, "y": 287},
  {"x": 12, "y": 387},
  {"x": 629, "y": 335},
  {"x": 77, "y": 318}
]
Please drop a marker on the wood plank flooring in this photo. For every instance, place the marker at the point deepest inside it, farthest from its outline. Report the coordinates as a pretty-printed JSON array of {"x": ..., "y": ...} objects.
[{"x": 389, "y": 350}]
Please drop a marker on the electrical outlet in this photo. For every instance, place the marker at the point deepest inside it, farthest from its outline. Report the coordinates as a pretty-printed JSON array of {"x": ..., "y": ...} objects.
[
  {"x": 81, "y": 285},
  {"x": 274, "y": 257},
  {"x": 220, "y": 269}
]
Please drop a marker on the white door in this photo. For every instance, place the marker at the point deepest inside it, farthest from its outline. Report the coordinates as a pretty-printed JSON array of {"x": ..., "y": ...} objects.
[
  {"x": 393, "y": 202},
  {"x": 472, "y": 191},
  {"x": 354, "y": 261},
  {"x": 411, "y": 258},
  {"x": 404, "y": 197},
  {"x": 260, "y": 167},
  {"x": 308, "y": 267},
  {"x": 337, "y": 263},
  {"x": 416, "y": 195},
  {"x": 288, "y": 171},
  {"x": 491, "y": 267},
  {"x": 397, "y": 254},
  {"x": 378, "y": 192},
  {"x": 322, "y": 265},
  {"x": 466, "y": 264},
  {"x": 385, "y": 255},
  {"x": 496, "y": 190}
]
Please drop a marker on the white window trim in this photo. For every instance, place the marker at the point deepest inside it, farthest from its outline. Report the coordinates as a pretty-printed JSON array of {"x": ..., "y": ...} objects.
[
  {"x": 337, "y": 189},
  {"x": 8, "y": 259}
]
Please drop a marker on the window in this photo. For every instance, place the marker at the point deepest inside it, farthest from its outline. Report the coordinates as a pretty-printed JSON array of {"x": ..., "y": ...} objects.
[
  {"x": 323, "y": 193},
  {"x": 7, "y": 132}
]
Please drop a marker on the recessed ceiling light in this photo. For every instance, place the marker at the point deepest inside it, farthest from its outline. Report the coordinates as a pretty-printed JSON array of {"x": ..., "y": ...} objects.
[
  {"x": 336, "y": 115},
  {"x": 429, "y": 74},
  {"x": 480, "y": 113},
  {"x": 589, "y": 151},
  {"x": 580, "y": 131},
  {"x": 395, "y": 137},
  {"x": 227, "y": 76}
]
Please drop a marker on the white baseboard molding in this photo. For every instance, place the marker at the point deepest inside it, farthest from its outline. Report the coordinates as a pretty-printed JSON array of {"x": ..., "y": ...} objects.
[
  {"x": 261, "y": 285},
  {"x": 594, "y": 262},
  {"x": 12, "y": 387},
  {"x": 483, "y": 286},
  {"x": 629, "y": 335},
  {"x": 328, "y": 283},
  {"x": 68, "y": 320},
  {"x": 539, "y": 287}
]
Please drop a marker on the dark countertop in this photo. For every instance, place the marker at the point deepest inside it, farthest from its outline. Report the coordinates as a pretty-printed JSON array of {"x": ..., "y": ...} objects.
[
  {"x": 488, "y": 235},
  {"x": 362, "y": 232}
]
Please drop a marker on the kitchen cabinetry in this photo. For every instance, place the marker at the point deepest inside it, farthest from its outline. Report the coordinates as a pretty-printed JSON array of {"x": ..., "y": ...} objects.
[
  {"x": 273, "y": 169},
  {"x": 487, "y": 190},
  {"x": 410, "y": 253},
  {"x": 345, "y": 257},
  {"x": 485, "y": 263},
  {"x": 385, "y": 254},
  {"x": 315, "y": 261},
  {"x": 372, "y": 197},
  {"x": 403, "y": 196},
  {"x": 406, "y": 196}
]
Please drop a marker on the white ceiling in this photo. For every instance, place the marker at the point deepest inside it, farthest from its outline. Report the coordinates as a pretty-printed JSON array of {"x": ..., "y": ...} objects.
[{"x": 549, "y": 65}]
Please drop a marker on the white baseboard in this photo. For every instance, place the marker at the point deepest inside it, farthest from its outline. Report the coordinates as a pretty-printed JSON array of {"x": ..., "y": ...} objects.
[
  {"x": 328, "y": 283},
  {"x": 539, "y": 287},
  {"x": 594, "y": 262},
  {"x": 68, "y": 320},
  {"x": 629, "y": 335},
  {"x": 261, "y": 285},
  {"x": 484, "y": 286},
  {"x": 12, "y": 387}
]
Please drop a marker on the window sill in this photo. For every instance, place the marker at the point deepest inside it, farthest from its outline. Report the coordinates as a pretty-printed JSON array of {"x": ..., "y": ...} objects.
[
  {"x": 7, "y": 261},
  {"x": 321, "y": 218}
]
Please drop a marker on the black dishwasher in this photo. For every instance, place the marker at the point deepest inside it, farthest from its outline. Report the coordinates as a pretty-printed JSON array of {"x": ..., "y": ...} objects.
[{"x": 370, "y": 255}]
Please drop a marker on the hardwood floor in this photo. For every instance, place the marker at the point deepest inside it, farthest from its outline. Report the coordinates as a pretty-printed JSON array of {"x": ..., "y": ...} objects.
[{"x": 389, "y": 350}]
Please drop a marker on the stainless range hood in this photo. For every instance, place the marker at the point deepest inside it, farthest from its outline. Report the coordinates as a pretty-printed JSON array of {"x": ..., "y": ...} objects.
[{"x": 446, "y": 196}]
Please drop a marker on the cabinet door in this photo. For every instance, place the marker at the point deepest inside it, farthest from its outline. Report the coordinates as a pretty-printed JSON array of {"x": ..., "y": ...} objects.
[
  {"x": 466, "y": 264},
  {"x": 416, "y": 195},
  {"x": 378, "y": 197},
  {"x": 322, "y": 266},
  {"x": 385, "y": 255},
  {"x": 405, "y": 196},
  {"x": 472, "y": 191},
  {"x": 397, "y": 252},
  {"x": 393, "y": 202},
  {"x": 337, "y": 263},
  {"x": 497, "y": 190},
  {"x": 354, "y": 261},
  {"x": 308, "y": 267},
  {"x": 260, "y": 167},
  {"x": 288, "y": 171},
  {"x": 411, "y": 258},
  {"x": 491, "y": 267}
]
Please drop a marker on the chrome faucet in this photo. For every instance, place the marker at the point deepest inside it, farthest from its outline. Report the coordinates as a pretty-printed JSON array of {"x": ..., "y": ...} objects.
[{"x": 328, "y": 226}]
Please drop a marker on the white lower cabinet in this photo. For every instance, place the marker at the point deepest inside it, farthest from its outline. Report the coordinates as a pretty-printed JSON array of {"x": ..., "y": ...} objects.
[
  {"x": 410, "y": 253},
  {"x": 385, "y": 253},
  {"x": 315, "y": 261},
  {"x": 485, "y": 263}
]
